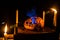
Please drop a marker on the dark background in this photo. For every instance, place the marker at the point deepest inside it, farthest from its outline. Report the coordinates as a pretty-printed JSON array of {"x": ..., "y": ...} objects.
[{"x": 8, "y": 8}]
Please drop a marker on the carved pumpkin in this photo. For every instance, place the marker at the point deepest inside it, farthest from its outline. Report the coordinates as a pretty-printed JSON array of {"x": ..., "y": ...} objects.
[{"x": 28, "y": 23}]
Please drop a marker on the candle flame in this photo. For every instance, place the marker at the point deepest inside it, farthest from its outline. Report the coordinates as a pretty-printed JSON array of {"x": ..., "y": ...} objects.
[
  {"x": 5, "y": 29},
  {"x": 54, "y": 10}
]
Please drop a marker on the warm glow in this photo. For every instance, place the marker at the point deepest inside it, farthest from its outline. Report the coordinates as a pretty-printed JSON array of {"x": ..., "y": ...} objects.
[
  {"x": 16, "y": 18},
  {"x": 39, "y": 21},
  {"x": 5, "y": 30},
  {"x": 43, "y": 18},
  {"x": 54, "y": 10},
  {"x": 55, "y": 15}
]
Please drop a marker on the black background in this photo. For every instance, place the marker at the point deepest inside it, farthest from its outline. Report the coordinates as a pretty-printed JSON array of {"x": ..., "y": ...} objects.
[{"x": 8, "y": 8}]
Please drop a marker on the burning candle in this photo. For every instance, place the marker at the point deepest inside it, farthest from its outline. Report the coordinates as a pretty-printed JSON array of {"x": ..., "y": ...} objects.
[
  {"x": 44, "y": 16},
  {"x": 5, "y": 32},
  {"x": 16, "y": 18},
  {"x": 55, "y": 16},
  {"x": 16, "y": 22}
]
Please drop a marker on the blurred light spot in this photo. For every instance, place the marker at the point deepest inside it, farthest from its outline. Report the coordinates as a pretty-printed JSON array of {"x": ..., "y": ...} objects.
[
  {"x": 32, "y": 15},
  {"x": 33, "y": 20},
  {"x": 3, "y": 22}
]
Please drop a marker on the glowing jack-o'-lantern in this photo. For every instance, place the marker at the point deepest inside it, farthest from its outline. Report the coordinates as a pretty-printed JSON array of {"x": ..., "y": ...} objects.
[
  {"x": 40, "y": 22},
  {"x": 28, "y": 23}
]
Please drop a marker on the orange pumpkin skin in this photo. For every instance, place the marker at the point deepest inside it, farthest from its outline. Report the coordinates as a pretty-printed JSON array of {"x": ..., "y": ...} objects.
[{"x": 39, "y": 21}]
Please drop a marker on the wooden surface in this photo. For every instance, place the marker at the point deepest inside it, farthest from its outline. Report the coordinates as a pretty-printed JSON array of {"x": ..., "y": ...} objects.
[{"x": 46, "y": 30}]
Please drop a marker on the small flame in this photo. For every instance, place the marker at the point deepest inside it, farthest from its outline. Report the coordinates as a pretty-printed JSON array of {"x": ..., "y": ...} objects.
[
  {"x": 54, "y": 10},
  {"x": 5, "y": 29}
]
